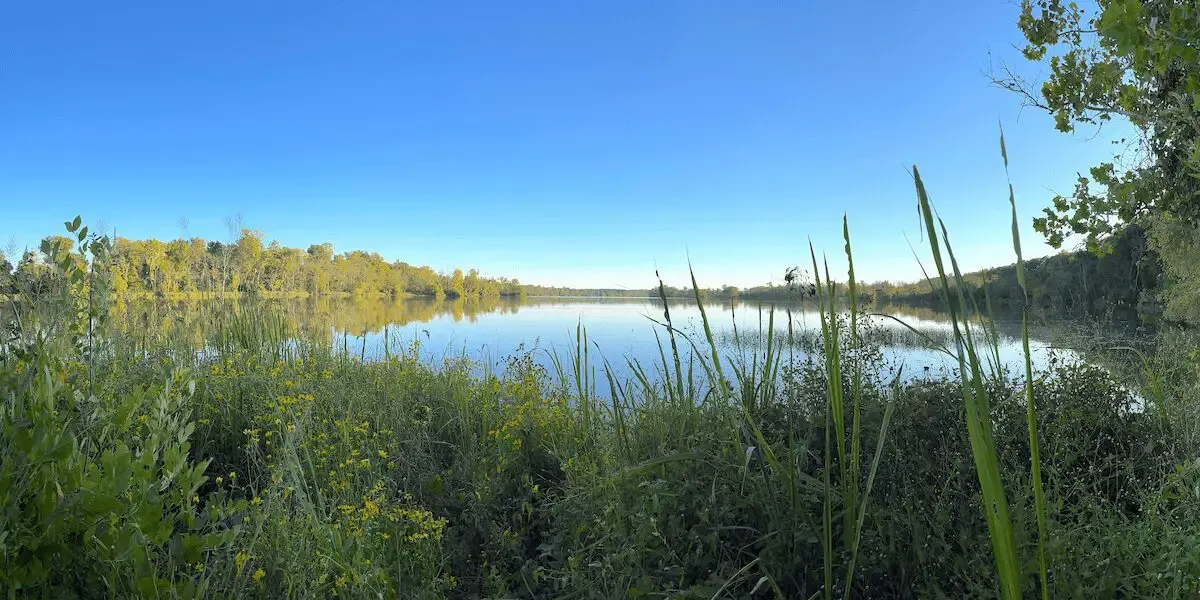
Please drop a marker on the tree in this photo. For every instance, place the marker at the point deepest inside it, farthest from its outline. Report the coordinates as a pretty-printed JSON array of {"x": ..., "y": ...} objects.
[
  {"x": 33, "y": 277},
  {"x": 153, "y": 267},
  {"x": 6, "y": 275},
  {"x": 458, "y": 287},
  {"x": 1123, "y": 59},
  {"x": 319, "y": 258},
  {"x": 249, "y": 260}
]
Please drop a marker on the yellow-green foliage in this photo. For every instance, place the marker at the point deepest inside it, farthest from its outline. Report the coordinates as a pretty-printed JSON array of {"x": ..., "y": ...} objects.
[
  {"x": 266, "y": 468},
  {"x": 99, "y": 493}
]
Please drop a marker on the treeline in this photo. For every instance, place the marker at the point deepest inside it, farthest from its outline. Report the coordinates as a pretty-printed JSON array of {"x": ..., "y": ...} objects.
[
  {"x": 726, "y": 292},
  {"x": 1127, "y": 279},
  {"x": 196, "y": 267},
  {"x": 563, "y": 292}
]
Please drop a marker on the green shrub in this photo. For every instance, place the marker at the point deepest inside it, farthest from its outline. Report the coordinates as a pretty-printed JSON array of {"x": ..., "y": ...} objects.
[{"x": 100, "y": 496}]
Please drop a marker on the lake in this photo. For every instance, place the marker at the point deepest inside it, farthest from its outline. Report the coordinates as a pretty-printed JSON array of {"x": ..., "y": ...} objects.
[{"x": 617, "y": 329}]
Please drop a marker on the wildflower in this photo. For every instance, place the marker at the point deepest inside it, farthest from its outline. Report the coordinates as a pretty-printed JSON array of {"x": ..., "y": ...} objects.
[
  {"x": 370, "y": 508},
  {"x": 259, "y": 574},
  {"x": 383, "y": 454},
  {"x": 240, "y": 560},
  {"x": 256, "y": 501}
]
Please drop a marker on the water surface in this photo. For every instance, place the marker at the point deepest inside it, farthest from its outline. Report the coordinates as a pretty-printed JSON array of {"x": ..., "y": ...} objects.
[{"x": 618, "y": 329}]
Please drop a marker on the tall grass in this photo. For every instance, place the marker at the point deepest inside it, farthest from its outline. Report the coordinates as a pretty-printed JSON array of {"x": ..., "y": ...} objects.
[
  {"x": 1035, "y": 457},
  {"x": 250, "y": 330},
  {"x": 705, "y": 474},
  {"x": 977, "y": 401},
  {"x": 753, "y": 390}
]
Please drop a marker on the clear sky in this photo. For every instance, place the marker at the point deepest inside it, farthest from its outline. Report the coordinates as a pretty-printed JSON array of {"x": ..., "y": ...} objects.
[{"x": 558, "y": 142}]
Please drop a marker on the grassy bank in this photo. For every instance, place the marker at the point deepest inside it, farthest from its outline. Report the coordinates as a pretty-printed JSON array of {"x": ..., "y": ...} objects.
[
  {"x": 269, "y": 467},
  {"x": 305, "y": 473}
]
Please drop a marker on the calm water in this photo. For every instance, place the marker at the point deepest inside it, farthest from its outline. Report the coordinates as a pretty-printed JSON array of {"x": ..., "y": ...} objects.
[{"x": 617, "y": 329}]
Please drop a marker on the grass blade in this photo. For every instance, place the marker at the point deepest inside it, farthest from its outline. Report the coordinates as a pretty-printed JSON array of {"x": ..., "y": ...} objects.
[
  {"x": 983, "y": 448},
  {"x": 1035, "y": 461}
]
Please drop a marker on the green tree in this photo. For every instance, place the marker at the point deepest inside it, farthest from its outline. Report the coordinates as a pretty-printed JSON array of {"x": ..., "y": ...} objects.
[
  {"x": 6, "y": 269},
  {"x": 472, "y": 285},
  {"x": 249, "y": 260},
  {"x": 141, "y": 267},
  {"x": 32, "y": 276},
  {"x": 287, "y": 264},
  {"x": 178, "y": 267},
  {"x": 1133, "y": 60},
  {"x": 458, "y": 286},
  {"x": 320, "y": 257}
]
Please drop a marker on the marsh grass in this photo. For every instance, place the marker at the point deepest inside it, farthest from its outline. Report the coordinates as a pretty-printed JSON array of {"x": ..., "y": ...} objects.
[
  {"x": 876, "y": 330},
  {"x": 287, "y": 467}
]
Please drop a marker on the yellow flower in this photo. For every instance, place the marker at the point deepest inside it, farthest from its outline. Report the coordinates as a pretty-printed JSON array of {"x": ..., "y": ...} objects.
[
  {"x": 240, "y": 560},
  {"x": 370, "y": 508},
  {"x": 256, "y": 501},
  {"x": 258, "y": 575},
  {"x": 383, "y": 454}
]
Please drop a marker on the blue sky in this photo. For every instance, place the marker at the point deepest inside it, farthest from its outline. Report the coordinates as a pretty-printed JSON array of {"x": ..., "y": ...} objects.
[{"x": 559, "y": 142}]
